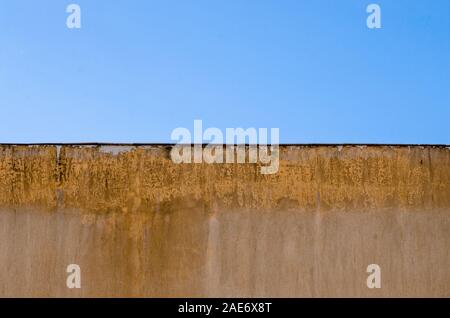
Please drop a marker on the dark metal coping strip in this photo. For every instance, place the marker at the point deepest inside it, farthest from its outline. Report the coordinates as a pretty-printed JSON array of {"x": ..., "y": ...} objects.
[{"x": 280, "y": 144}]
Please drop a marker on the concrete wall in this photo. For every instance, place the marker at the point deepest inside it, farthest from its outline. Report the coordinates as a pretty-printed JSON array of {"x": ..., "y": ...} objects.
[{"x": 139, "y": 225}]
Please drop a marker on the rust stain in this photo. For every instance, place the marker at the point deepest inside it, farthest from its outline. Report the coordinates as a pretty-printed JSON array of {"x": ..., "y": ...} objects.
[
  {"x": 96, "y": 180},
  {"x": 28, "y": 175}
]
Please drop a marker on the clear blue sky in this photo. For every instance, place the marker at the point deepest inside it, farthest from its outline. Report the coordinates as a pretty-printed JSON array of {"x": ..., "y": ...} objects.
[{"x": 138, "y": 69}]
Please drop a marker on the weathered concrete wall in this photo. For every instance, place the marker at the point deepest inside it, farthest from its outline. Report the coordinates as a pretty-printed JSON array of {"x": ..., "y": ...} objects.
[{"x": 139, "y": 225}]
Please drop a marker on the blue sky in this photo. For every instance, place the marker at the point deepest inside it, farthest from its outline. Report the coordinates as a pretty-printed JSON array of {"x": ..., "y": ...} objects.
[{"x": 138, "y": 69}]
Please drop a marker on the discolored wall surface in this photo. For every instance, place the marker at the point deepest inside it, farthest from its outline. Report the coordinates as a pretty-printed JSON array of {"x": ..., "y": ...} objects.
[{"x": 140, "y": 225}]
